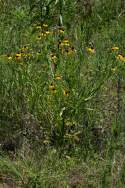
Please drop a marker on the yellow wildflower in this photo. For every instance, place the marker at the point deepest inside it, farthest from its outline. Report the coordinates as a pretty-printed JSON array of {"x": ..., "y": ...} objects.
[
  {"x": 65, "y": 42},
  {"x": 66, "y": 93},
  {"x": 39, "y": 37},
  {"x": 24, "y": 49},
  {"x": 121, "y": 57},
  {"x": 52, "y": 87},
  {"x": 29, "y": 55},
  {"x": 91, "y": 50},
  {"x": 58, "y": 77},
  {"x": 45, "y": 25},
  {"x": 47, "y": 32},
  {"x": 70, "y": 50},
  {"x": 60, "y": 45},
  {"x": 18, "y": 56},
  {"x": 115, "y": 48},
  {"x": 38, "y": 27},
  {"x": 53, "y": 57},
  {"x": 61, "y": 30}
]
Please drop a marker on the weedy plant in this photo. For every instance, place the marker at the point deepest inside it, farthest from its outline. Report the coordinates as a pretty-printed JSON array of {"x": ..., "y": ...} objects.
[{"x": 62, "y": 84}]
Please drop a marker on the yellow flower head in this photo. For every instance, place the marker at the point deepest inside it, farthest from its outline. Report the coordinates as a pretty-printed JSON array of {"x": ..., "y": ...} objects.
[
  {"x": 24, "y": 49},
  {"x": 66, "y": 93},
  {"x": 47, "y": 32},
  {"x": 115, "y": 48},
  {"x": 38, "y": 27},
  {"x": 91, "y": 50},
  {"x": 65, "y": 42},
  {"x": 71, "y": 50},
  {"x": 43, "y": 34},
  {"x": 18, "y": 56},
  {"x": 53, "y": 57},
  {"x": 60, "y": 45},
  {"x": 29, "y": 55},
  {"x": 61, "y": 30},
  {"x": 121, "y": 57},
  {"x": 52, "y": 88},
  {"x": 45, "y": 25},
  {"x": 39, "y": 37},
  {"x": 58, "y": 77}
]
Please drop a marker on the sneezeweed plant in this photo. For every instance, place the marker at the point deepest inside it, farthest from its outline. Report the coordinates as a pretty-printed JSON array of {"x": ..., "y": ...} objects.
[
  {"x": 53, "y": 76},
  {"x": 67, "y": 99}
]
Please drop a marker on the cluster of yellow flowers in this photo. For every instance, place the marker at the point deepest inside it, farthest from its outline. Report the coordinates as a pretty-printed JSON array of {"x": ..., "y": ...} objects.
[
  {"x": 22, "y": 53},
  {"x": 52, "y": 87},
  {"x": 61, "y": 30},
  {"x": 42, "y": 31},
  {"x": 65, "y": 47},
  {"x": 120, "y": 57}
]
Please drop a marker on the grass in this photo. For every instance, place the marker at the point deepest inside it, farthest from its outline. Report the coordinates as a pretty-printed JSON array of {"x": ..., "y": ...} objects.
[
  {"x": 62, "y": 94},
  {"x": 66, "y": 171}
]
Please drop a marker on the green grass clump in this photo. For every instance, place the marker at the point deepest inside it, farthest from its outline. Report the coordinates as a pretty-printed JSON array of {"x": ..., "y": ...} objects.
[{"x": 53, "y": 171}]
